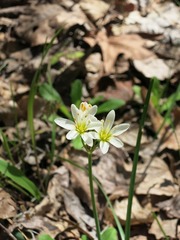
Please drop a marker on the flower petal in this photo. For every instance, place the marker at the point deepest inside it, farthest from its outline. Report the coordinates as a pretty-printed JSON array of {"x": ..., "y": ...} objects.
[
  {"x": 72, "y": 134},
  {"x": 95, "y": 125},
  {"x": 119, "y": 129},
  {"x": 92, "y": 110},
  {"x": 74, "y": 111},
  {"x": 94, "y": 135},
  {"x": 65, "y": 123},
  {"x": 104, "y": 146},
  {"x": 109, "y": 121},
  {"x": 116, "y": 142},
  {"x": 87, "y": 139}
]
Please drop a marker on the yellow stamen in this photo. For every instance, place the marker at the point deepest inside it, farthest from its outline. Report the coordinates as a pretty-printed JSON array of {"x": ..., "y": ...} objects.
[
  {"x": 104, "y": 135},
  {"x": 81, "y": 127},
  {"x": 85, "y": 106}
]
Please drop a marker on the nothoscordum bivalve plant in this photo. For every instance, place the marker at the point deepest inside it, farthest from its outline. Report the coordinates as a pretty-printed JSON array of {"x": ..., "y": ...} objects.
[{"x": 94, "y": 134}]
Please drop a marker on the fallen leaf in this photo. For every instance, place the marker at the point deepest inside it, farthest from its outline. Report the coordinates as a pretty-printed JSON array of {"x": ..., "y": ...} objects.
[
  {"x": 156, "y": 179},
  {"x": 171, "y": 206},
  {"x": 169, "y": 227},
  {"x": 94, "y": 9},
  {"x": 75, "y": 209},
  {"x": 8, "y": 208},
  {"x": 153, "y": 67},
  {"x": 138, "y": 215},
  {"x": 131, "y": 45}
]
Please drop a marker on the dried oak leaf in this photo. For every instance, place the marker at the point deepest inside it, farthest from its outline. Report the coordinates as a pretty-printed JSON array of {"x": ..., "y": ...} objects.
[
  {"x": 157, "y": 179},
  {"x": 171, "y": 206},
  {"x": 169, "y": 227},
  {"x": 7, "y": 205},
  {"x": 131, "y": 45},
  {"x": 95, "y": 9},
  {"x": 139, "y": 214}
]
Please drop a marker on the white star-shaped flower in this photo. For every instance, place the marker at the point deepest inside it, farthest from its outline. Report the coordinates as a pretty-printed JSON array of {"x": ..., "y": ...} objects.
[
  {"x": 107, "y": 134},
  {"x": 84, "y": 121}
]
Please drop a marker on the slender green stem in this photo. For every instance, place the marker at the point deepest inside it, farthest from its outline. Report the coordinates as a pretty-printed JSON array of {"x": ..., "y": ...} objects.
[
  {"x": 135, "y": 162},
  {"x": 160, "y": 226},
  {"x": 93, "y": 196},
  {"x": 120, "y": 229}
]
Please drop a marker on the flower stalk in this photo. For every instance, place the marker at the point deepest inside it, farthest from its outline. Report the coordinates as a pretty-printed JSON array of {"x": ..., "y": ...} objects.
[
  {"x": 94, "y": 134},
  {"x": 93, "y": 201}
]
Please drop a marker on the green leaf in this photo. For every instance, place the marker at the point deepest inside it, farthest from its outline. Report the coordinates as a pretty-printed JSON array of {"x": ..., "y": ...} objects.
[
  {"x": 109, "y": 234},
  {"x": 49, "y": 93},
  {"x": 76, "y": 92},
  {"x": 55, "y": 58},
  {"x": 19, "y": 178},
  {"x": 96, "y": 100},
  {"x": 45, "y": 237},
  {"x": 137, "y": 90},
  {"x": 110, "y": 105},
  {"x": 18, "y": 235},
  {"x": 170, "y": 101},
  {"x": 84, "y": 237},
  {"x": 75, "y": 55},
  {"x": 77, "y": 143}
]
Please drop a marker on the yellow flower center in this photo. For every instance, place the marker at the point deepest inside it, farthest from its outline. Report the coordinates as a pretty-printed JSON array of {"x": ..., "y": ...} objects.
[
  {"x": 85, "y": 106},
  {"x": 81, "y": 127},
  {"x": 105, "y": 135}
]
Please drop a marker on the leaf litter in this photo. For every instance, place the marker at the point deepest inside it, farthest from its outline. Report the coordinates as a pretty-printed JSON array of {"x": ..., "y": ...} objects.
[{"x": 123, "y": 45}]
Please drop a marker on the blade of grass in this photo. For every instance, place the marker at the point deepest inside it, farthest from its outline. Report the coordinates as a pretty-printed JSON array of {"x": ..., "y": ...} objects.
[
  {"x": 119, "y": 227},
  {"x": 6, "y": 147},
  {"x": 32, "y": 93},
  {"x": 135, "y": 162},
  {"x": 19, "y": 178},
  {"x": 160, "y": 226},
  {"x": 170, "y": 108}
]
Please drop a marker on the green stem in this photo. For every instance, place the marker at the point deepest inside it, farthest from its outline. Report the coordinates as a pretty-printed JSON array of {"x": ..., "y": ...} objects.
[
  {"x": 93, "y": 195},
  {"x": 135, "y": 162}
]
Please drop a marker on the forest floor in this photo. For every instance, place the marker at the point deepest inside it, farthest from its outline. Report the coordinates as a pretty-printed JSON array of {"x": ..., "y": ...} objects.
[{"x": 57, "y": 52}]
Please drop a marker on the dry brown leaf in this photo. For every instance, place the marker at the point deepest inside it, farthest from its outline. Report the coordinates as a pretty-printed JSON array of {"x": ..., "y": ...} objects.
[
  {"x": 94, "y": 9},
  {"x": 75, "y": 209},
  {"x": 169, "y": 227},
  {"x": 36, "y": 30},
  {"x": 42, "y": 224},
  {"x": 116, "y": 89},
  {"x": 139, "y": 214},
  {"x": 172, "y": 139},
  {"x": 66, "y": 19},
  {"x": 130, "y": 136},
  {"x": 132, "y": 46},
  {"x": 8, "y": 208},
  {"x": 153, "y": 67},
  {"x": 107, "y": 171},
  {"x": 171, "y": 206},
  {"x": 156, "y": 179}
]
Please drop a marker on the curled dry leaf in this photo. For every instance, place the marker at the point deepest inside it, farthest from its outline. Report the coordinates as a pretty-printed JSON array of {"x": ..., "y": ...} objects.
[
  {"x": 153, "y": 67},
  {"x": 139, "y": 214},
  {"x": 131, "y": 45},
  {"x": 156, "y": 179},
  {"x": 171, "y": 206},
  {"x": 67, "y": 19},
  {"x": 94, "y": 9},
  {"x": 75, "y": 209},
  {"x": 8, "y": 208},
  {"x": 169, "y": 227}
]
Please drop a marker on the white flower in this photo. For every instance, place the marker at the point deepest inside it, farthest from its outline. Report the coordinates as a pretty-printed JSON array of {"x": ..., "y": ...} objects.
[
  {"x": 84, "y": 110},
  {"x": 106, "y": 134},
  {"x": 84, "y": 121}
]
